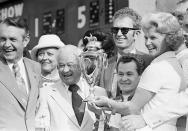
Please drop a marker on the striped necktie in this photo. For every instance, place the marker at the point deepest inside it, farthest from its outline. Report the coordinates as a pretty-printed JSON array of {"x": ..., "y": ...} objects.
[{"x": 19, "y": 80}]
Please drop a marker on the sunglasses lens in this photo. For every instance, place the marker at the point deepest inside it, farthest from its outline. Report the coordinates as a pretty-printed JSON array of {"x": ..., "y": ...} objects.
[
  {"x": 124, "y": 30},
  {"x": 114, "y": 30}
]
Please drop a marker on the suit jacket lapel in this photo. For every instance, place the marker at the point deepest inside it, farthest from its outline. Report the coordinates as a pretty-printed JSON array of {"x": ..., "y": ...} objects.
[
  {"x": 109, "y": 74},
  {"x": 87, "y": 113},
  {"x": 63, "y": 100},
  {"x": 32, "y": 79},
  {"x": 8, "y": 80}
]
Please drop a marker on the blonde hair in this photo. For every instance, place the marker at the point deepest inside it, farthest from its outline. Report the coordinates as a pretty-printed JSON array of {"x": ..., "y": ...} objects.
[{"x": 165, "y": 23}]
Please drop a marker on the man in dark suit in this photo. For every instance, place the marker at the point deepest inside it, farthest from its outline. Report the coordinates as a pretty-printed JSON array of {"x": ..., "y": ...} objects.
[
  {"x": 126, "y": 28},
  {"x": 19, "y": 78}
]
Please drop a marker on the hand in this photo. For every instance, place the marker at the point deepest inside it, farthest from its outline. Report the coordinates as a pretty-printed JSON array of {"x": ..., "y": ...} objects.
[
  {"x": 92, "y": 107},
  {"x": 101, "y": 101},
  {"x": 133, "y": 122}
]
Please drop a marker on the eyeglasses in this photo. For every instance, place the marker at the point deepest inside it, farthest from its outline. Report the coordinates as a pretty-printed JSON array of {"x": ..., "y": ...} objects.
[{"x": 124, "y": 30}]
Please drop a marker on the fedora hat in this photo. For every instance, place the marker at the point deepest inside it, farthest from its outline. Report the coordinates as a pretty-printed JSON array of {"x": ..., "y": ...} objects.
[{"x": 45, "y": 41}]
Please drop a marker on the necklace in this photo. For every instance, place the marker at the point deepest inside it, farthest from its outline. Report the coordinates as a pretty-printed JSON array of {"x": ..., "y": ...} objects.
[{"x": 46, "y": 79}]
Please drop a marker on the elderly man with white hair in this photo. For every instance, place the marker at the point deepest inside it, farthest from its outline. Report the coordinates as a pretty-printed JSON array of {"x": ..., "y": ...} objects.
[{"x": 66, "y": 108}]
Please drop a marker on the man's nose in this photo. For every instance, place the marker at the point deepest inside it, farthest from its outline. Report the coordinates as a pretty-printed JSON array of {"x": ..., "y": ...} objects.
[
  {"x": 124, "y": 78},
  {"x": 119, "y": 33},
  {"x": 6, "y": 43},
  {"x": 66, "y": 68},
  {"x": 45, "y": 56},
  {"x": 148, "y": 42}
]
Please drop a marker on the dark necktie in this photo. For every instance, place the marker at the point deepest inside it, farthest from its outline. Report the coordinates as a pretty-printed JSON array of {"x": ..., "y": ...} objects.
[
  {"x": 19, "y": 80},
  {"x": 77, "y": 104}
]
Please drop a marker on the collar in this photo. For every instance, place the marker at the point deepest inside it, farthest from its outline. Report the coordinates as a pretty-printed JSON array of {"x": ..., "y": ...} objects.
[
  {"x": 20, "y": 63},
  {"x": 79, "y": 83},
  {"x": 164, "y": 56},
  {"x": 125, "y": 97},
  {"x": 182, "y": 53}
]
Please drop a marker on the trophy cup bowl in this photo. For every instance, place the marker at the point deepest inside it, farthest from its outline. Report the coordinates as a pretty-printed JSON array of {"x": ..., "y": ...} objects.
[{"x": 92, "y": 63}]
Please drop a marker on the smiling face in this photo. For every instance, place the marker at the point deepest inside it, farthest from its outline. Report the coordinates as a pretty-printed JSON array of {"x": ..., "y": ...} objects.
[
  {"x": 68, "y": 66},
  {"x": 123, "y": 41},
  {"x": 155, "y": 42},
  {"x": 12, "y": 42},
  {"x": 128, "y": 77},
  {"x": 47, "y": 58}
]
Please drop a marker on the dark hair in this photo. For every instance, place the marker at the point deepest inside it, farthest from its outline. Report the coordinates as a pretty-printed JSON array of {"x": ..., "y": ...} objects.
[
  {"x": 181, "y": 2},
  {"x": 17, "y": 22},
  {"x": 128, "y": 57},
  {"x": 106, "y": 39}
]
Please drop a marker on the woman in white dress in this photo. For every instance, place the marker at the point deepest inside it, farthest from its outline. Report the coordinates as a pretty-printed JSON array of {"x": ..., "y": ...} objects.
[{"x": 162, "y": 79}]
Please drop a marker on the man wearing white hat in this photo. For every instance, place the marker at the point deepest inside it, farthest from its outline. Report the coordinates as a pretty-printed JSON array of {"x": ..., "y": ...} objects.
[{"x": 45, "y": 53}]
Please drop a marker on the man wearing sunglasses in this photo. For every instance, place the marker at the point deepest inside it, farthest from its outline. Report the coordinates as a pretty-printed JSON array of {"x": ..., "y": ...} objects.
[{"x": 125, "y": 30}]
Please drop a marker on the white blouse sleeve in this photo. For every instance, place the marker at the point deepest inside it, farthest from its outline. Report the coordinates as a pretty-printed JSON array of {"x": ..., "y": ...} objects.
[{"x": 151, "y": 79}]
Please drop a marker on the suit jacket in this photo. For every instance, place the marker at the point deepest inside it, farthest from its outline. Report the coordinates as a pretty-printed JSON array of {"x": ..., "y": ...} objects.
[
  {"x": 60, "y": 110},
  {"x": 107, "y": 76},
  {"x": 17, "y": 114}
]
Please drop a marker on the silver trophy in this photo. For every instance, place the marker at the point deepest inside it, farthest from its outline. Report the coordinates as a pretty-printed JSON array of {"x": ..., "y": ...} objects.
[{"x": 92, "y": 63}]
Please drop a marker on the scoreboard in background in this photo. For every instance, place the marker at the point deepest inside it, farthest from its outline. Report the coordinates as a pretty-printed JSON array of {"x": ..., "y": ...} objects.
[
  {"x": 69, "y": 19},
  {"x": 89, "y": 14},
  {"x": 94, "y": 13}
]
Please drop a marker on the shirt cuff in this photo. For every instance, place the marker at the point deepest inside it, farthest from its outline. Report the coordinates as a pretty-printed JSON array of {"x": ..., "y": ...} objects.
[{"x": 147, "y": 120}]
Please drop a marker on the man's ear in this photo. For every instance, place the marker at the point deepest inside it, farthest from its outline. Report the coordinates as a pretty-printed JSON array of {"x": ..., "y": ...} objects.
[
  {"x": 136, "y": 34},
  {"x": 26, "y": 40}
]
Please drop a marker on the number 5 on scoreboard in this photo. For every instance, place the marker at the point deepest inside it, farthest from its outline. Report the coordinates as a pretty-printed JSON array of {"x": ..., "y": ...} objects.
[{"x": 81, "y": 16}]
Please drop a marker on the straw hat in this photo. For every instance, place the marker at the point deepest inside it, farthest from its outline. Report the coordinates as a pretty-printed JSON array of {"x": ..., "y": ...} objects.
[{"x": 46, "y": 41}]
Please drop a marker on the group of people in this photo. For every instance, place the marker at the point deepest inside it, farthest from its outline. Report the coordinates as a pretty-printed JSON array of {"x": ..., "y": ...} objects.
[{"x": 142, "y": 92}]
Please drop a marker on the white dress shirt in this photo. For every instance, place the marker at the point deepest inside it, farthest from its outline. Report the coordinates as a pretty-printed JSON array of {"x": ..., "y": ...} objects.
[{"x": 81, "y": 91}]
